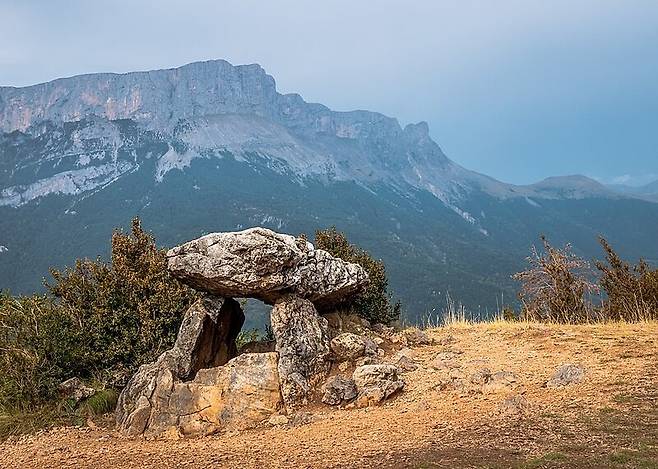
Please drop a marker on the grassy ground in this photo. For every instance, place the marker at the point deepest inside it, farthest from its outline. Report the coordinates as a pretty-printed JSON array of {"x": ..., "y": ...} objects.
[{"x": 608, "y": 420}]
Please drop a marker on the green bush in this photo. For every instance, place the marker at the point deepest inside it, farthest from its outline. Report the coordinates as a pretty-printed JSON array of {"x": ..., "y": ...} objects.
[
  {"x": 375, "y": 304},
  {"x": 102, "y": 321},
  {"x": 631, "y": 292}
]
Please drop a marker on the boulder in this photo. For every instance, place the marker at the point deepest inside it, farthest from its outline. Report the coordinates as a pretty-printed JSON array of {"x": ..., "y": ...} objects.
[
  {"x": 259, "y": 263},
  {"x": 375, "y": 383},
  {"x": 338, "y": 389},
  {"x": 565, "y": 375},
  {"x": 303, "y": 346},
  {"x": 348, "y": 346},
  {"x": 205, "y": 339},
  {"x": 239, "y": 395},
  {"x": 75, "y": 389}
]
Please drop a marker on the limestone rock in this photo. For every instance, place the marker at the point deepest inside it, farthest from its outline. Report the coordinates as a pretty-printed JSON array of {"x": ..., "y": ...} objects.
[
  {"x": 75, "y": 389},
  {"x": 376, "y": 383},
  {"x": 206, "y": 339},
  {"x": 303, "y": 346},
  {"x": 446, "y": 361},
  {"x": 236, "y": 396},
  {"x": 500, "y": 381},
  {"x": 260, "y": 263},
  {"x": 513, "y": 406},
  {"x": 405, "y": 360},
  {"x": 348, "y": 346},
  {"x": 565, "y": 375},
  {"x": 338, "y": 389}
]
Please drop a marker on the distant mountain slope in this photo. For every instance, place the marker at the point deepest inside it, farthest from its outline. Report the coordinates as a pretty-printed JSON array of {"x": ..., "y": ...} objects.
[{"x": 210, "y": 146}]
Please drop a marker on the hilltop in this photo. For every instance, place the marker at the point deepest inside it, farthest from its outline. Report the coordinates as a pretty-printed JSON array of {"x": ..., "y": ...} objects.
[{"x": 607, "y": 420}]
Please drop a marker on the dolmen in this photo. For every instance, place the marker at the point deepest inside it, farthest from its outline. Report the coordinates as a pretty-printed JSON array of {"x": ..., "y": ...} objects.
[{"x": 202, "y": 385}]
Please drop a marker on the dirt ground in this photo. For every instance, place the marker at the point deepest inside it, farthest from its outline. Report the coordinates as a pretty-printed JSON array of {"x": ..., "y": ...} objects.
[{"x": 608, "y": 420}]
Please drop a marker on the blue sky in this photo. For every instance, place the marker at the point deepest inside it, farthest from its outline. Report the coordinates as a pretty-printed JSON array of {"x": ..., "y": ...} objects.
[{"x": 519, "y": 90}]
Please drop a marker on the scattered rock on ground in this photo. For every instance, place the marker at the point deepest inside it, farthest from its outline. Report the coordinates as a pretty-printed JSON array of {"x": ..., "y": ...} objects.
[
  {"x": 565, "y": 375},
  {"x": 376, "y": 383},
  {"x": 499, "y": 382},
  {"x": 513, "y": 405},
  {"x": 446, "y": 361},
  {"x": 404, "y": 359},
  {"x": 417, "y": 337},
  {"x": 278, "y": 420},
  {"x": 338, "y": 390}
]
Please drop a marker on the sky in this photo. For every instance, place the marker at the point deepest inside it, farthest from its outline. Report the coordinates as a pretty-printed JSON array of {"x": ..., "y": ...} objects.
[{"x": 516, "y": 89}]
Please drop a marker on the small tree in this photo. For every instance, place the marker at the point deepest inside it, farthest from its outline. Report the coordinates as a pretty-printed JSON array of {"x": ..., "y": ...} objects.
[
  {"x": 632, "y": 292},
  {"x": 375, "y": 304},
  {"x": 555, "y": 288},
  {"x": 129, "y": 309}
]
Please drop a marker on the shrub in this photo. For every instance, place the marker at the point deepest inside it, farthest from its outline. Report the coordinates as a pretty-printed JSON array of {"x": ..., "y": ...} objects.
[
  {"x": 375, "y": 304},
  {"x": 556, "y": 287},
  {"x": 632, "y": 292},
  {"x": 39, "y": 348},
  {"x": 129, "y": 309}
]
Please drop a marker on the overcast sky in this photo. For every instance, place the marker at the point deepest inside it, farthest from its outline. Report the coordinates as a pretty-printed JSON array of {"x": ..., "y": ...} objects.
[{"x": 519, "y": 90}]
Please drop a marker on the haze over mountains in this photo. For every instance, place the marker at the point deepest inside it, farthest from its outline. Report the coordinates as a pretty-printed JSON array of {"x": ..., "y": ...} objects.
[{"x": 212, "y": 147}]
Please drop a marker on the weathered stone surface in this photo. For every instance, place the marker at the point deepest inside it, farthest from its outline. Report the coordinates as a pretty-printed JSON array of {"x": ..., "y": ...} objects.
[
  {"x": 75, "y": 389},
  {"x": 348, "y": 346},
  {"x": 238, "y": 395},
  {"x": 260, "y": 263},
  {"x": 376, "y": 383},
  {"x": 513, "y": 406},
  {"x": 338, "y": 389},
  {"x": 206, "y": 339},
  {"x": 565, "y": 375},
  {"x": 303, "y": 345}
]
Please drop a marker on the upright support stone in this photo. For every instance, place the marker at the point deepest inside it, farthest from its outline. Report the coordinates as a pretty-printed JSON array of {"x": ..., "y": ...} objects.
[
  {"x": 303, "y": 345},
  {"x": 206, "y": 339}
]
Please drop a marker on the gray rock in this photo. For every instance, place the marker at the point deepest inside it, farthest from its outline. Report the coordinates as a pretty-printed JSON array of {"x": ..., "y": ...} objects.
[
  {"x": 446, "y": 361},
  {"x": 348, "y": 346},
  {"x": 499, "y": 382},
  {"x": 417, "y": 337},
  {"x": 303, "y": 346},
  {"x": 75, "y": 389},
  {"x": 513, "y": 405},
  {"x": 259, "y": 263},
  {"x": 375, "y": 383},
  {"x": 338, "y": 389},
  {"x": 565, "y": 375},
  {"x": 239, "y": 395},
  {"x": 206, "y": 339}
]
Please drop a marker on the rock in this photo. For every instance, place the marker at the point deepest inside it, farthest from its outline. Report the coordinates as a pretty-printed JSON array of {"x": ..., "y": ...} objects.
[
  {"x": 303, "y": 346},
  {"x": 481, "y": 377},
  {"x": 302, "y": 418},
  {"x": 383, "y": 330},
  {"x": 367, "y": 361},
  {"x": 277, "y": 420},
  {"x": 259, "y": 263},
  {"x": 205, "y": 339},
  {"x": 513, "y": 405},
  {"x": 416, "y": 337},
  {"x": 344, "y": 366},
  {"x": 348, "y": 346},
  {"x": 338, "y": 389},
  {"x": 376, "y": 383},
  {"x": 565, "y": 375},
  {"x": 75, "y": 389},
  {"x": 405, "y": 360},
  {"x": 499, "y": 382},
  {"x": 446, "y": 361}
]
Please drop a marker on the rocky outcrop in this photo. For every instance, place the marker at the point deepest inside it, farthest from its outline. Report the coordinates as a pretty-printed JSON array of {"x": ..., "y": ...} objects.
[
  {"x": 206, "y": 339},
  {"x": 259, "y": 263},
  {"x": 238, "y": 395},
  {"x": 303, "y": 345}
]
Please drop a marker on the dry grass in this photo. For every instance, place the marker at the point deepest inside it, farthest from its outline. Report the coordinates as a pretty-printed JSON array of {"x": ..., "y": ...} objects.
[{"x": 608, "y": 420}]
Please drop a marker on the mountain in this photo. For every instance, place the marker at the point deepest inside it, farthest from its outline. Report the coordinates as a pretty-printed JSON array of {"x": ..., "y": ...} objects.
[
  {"x": 211, "y": 146},
  {"x": 647, "y": 191}
]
